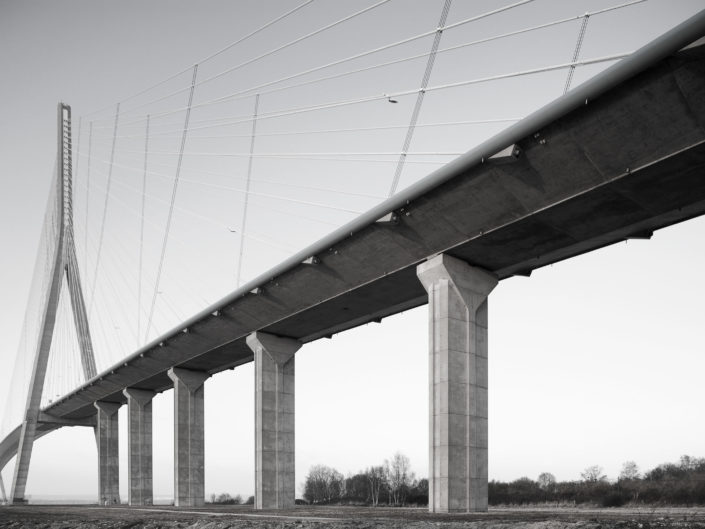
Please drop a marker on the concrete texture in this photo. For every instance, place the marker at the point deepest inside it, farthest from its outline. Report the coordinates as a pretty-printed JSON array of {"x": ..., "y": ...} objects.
[
  {"x": 24, "y": 454},
  {"x": 139, "y": 446},
  {"x": 189, "y": 474},
  {"x": 2, "y": 490},
  {"x": 275, "y": 485},
  {"x": 457, "y": 295},
  {"x": 78, "y": 305},
  {"x": 106, "y": 435}
]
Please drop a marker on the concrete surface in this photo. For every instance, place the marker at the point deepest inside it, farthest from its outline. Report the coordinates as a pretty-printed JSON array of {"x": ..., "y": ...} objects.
[
  {"x": 139, "y": 446},
  {"x": 275, "y": 484},
  {"x": 107, "y": 438},
  {"x": 457, "y": 297},
  {"x": 189, "y": 474}
]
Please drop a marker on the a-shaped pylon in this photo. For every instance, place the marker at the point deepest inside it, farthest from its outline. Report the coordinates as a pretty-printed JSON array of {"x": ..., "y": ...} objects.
[{"x": 63, "y": 263}]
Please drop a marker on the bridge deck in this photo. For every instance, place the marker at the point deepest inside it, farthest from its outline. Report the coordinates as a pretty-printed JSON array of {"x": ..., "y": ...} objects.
[{"x": 629, "y": 162}]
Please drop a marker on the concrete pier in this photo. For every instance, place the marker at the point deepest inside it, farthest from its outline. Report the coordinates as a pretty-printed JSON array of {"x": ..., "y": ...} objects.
[
  {"x": 2, "y": 490},
  {"x": 274, "y": 420},
  {"x": 106, "y": 434},
  {"x": 139, "y": 443},
  {"x": 189, "y": 475},
  {"x": 457, "y": 294}
]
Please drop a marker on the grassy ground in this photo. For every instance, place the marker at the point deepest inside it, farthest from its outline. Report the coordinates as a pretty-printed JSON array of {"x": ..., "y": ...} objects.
[{"x": 222, "y": 517}]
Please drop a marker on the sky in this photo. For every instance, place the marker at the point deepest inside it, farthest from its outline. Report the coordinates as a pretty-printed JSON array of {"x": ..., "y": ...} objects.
[{"x": 595, "y": 360}]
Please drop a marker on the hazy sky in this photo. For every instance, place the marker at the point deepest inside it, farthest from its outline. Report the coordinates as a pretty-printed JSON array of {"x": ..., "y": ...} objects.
[{"x": 596, "y": 360}]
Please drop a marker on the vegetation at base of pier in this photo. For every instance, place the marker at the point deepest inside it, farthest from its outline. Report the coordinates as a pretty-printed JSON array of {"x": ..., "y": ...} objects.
[
  {"x": 681, "y": 483},
  {"x": 393, "y": 483},
  {"x": 226, "y": 499}
]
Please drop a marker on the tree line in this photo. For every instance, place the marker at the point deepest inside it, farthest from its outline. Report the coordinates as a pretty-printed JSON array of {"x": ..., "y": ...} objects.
[
  {"x": 392, "y": 483},
  {"x": 227, "y": 499},
  {"x": 681, "y": 483}
]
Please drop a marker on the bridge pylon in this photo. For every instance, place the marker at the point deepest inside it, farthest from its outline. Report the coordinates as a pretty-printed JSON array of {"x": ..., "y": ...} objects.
[{"x": 63, "y": 264}]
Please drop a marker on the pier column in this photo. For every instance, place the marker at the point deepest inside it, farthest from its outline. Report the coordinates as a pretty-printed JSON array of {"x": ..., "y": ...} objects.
[
  {"x": 189, "y": 475},
  {"x": 106, "y": 434},
  {"x": 139, "y": 442},
  {"x": 2, "y": 490},
  {"x": 274, "y": 420},
  {"x": 457, "y": 295}
]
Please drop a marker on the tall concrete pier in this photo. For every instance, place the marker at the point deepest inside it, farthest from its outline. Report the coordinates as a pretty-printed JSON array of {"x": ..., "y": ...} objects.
[
  {"x": 274, "y": 420},
  {"x": 139, "y": 442},
  {"x": 189, "y": 475},
  {"x": 107, "y": 437},
  {"x": 457, "y": 295}
]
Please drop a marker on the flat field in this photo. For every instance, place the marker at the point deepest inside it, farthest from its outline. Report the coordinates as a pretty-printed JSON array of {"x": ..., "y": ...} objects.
[{"x": 222, "y": 517}]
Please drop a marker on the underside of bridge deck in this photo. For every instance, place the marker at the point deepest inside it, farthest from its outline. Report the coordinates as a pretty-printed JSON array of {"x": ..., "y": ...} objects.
[{"x": 621, "y": 166}]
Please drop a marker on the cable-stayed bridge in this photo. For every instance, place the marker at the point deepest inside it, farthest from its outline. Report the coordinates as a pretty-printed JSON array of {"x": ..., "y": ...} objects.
[{"x": 520, "y": 200}]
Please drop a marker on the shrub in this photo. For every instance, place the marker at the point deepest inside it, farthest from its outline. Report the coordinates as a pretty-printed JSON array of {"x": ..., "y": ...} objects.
[{"x": 614, "y": 499}]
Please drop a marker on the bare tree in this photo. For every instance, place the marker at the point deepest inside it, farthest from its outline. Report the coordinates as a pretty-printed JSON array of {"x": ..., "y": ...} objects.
[
  {"x": 593, "y": 474},
  {"x": 375, "y": 478},
  {"x": 399, "y": 477},
  {"x": 690, "y": 463},
  {"x": 546, "y": 480},
  {"x": 336, "y": 486},
  {"x": 630, "y": 470},
  {"x": 323, "y": 483}
]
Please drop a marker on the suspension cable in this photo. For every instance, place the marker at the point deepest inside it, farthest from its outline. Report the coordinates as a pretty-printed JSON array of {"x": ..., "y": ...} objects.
[
  {"x": 303, "y": 154},
  {"x": 277, "y": 183},
  {"x": 122, "y": 267},
  {"x": 144, "y": 200},
  {"x": 270, "y": 52},
  {"x": 219, "y": 224},
  {"x": 420, "y": 97},
  {"x": 243, "y": 191},
  {"x": 247, "y": 91},
  {"x": 105, "y": 207},
  {"x": 349, "y": 129},
  {"x": 173, "y": 196},
  {"x": 258, "y": 180},
  {"x": 576, "y": 53},
  {"x": 243, "y": 224},
  {"x": 127, "y": 208},
  {"x": 367, "y": 99},
  {"x": 211, "y": 56},
  {"x": 88, "y": 195},
  {"x": 322, "y": 157}
]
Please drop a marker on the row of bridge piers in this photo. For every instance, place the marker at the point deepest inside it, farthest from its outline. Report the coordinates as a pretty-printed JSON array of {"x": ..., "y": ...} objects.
[
  {"x": 457, "y": 409},
  {"x": 274, "y": 439}
]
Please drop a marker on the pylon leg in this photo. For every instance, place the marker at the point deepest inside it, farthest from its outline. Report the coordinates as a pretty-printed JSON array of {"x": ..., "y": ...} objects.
[
  {"x": 36, "y": 386},
  {"x": 2, "y": 490},
  {"x": 80, "y": 317}
]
